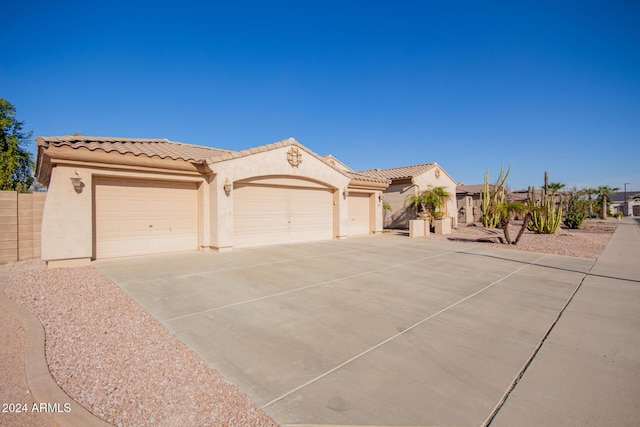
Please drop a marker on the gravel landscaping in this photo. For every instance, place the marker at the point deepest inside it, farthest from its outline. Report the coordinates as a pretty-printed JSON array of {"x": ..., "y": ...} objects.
[
  {"x": 588, "y": 242},
  {"x": 114, "y": 359}
]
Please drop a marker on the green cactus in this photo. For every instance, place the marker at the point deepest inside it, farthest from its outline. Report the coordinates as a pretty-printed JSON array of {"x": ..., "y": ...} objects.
[
  {"x": 493, "y": 197},
  {"x": 545, "y": 215}
]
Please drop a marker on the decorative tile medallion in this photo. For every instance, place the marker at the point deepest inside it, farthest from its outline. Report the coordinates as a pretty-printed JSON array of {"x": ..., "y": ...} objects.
[
  {"x": 294, "y": 156},
  {"x": 437, "y": 172}
]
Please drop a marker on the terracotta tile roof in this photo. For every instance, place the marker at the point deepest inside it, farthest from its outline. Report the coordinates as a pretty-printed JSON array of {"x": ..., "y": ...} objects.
[
  {"x": 401, "y": 172},
  {"x": 228, "y": 155},
  {"x": 471, "y": 188},
  {"x": 367, "y": 178},
  {"x": 162, "y": 148}
]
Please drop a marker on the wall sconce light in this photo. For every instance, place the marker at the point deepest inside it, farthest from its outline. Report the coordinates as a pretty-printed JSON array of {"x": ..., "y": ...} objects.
[
  {"x": 345, "y": 193},
  {"x": 380, "y": 197},
  {"x": 227, "y": 186},
  {"x": 76, "y": 181}
]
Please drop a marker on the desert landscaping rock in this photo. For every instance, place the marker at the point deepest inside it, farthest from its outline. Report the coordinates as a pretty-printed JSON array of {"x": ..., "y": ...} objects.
[
  {"x": 588, "y": 242},
  {"x": 110, "y": 356}
]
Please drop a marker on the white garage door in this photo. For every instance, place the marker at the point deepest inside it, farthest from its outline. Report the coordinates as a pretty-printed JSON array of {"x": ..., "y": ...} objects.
[
  {"x": 359, "y": 218},
  {"x": 145, "y": 217},
  {"x": 266, "y": 215}
]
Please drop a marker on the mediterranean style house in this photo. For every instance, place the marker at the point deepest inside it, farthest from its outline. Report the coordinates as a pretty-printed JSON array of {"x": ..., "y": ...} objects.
[
  {"x": 114, "y": 197},
  {"x": 412, "y": 180}
]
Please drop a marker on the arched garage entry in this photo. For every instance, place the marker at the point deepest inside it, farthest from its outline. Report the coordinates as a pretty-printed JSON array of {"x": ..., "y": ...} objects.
[{"x": 275, "y": 210}]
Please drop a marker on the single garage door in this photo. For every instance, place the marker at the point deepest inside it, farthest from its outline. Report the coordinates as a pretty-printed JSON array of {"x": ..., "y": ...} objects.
[
  {"x": 145, "y": 217},
  {"x": 359, "y": 217},
  {"x": 266, "y": 215}
]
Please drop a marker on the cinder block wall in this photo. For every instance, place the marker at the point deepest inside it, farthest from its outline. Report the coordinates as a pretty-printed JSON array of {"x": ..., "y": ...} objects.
[
  {"x": 20, "y": 224},
  {"x": 8, "y": 226}
]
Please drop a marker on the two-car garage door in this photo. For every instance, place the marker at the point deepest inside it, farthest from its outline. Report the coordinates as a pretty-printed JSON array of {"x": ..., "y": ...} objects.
[
  {"x": 270, "y": 214},
  {"x": 134, "y": 217}
]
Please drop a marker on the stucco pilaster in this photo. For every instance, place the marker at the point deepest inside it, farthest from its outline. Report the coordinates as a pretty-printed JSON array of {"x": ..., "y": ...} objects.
[
  {"x": 376, "y": 210},
  {"x": 67, "y": 218},
  {"x": 340, "y": 214},
  {"x": 221, "y": 213}
]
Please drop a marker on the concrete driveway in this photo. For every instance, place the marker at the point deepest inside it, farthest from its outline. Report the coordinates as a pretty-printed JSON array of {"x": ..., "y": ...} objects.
[{"x": 381, "y": 330}]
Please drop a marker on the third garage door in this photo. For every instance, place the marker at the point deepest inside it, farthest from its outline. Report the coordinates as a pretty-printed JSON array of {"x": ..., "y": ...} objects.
[
  {"x": 359, "y": 217},
  {"x": 266, "y": 215}
]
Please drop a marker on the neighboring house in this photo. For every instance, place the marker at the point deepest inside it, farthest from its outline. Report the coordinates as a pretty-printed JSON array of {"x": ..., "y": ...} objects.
[
  {"x": 628, "y": 207},
  {"x": 469, "y": 202},
  {"x": 115, "y": 197},
  {"x": 412, "y": 180}
]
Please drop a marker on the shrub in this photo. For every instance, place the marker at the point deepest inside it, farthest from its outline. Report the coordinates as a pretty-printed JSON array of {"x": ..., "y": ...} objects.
[{"x": 577, "y": 210}]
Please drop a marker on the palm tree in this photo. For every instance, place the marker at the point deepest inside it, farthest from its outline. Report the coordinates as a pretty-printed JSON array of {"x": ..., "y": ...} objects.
[
  {"x": 430, "y": 201},
  {"x": 603, "y": 194},
  {"x": 505, "y": 211},
  {"x": 436, "y": 199},
  {"x": 589, "y": 191},
  {"x": 555, "y": 187}
]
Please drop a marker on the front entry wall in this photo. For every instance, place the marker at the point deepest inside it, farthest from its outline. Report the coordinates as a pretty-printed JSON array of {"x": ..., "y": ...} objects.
[
  {"x": 135, "y": 217},
  {"x": 268, "y": 214}
]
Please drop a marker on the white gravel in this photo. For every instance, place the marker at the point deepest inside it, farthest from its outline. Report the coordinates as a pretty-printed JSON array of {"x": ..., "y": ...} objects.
[{"x": 114, "y": 359}]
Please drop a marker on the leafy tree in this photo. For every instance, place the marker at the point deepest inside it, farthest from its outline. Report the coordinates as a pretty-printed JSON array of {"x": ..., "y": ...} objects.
[
  {"x": 16, "y": 163},
  {"x": 603, "y": 196}
]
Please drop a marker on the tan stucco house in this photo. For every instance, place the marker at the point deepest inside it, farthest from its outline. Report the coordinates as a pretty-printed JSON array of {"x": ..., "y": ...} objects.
[
  {"x": 412, "y": 180},
  {"x": 115, "y": 197},
  {"x": 470, "y": 202}
]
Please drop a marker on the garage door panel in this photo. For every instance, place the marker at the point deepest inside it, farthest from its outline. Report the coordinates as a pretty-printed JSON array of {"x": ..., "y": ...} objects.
[
  {"x": 359, "y": 213},
  {"x": 266, "y": 215},
  {"x": 144, "y": 217}
]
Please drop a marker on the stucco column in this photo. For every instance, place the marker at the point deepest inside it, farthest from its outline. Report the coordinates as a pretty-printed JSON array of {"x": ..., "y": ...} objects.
[
  {"x": 340, "y": 214},
  {"x": 378, "y": 217},
  {"x": 221, "y": 214},
  {"x": 67, "y": 219}
]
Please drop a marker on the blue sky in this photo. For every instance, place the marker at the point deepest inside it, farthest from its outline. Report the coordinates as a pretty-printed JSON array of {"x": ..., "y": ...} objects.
[{"x": 468, "y": 84}]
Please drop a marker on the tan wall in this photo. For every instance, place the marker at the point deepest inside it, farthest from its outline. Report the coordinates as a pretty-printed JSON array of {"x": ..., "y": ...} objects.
[
  {"x": 396, "y": 195},
  {"x": 68, "y": 217},
  {"x": 20, "y": 225},
  {"x": 271, "y": 163}
]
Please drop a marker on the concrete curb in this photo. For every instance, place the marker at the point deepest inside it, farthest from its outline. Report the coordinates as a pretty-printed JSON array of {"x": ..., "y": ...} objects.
[{"x": 43, "y": 387}]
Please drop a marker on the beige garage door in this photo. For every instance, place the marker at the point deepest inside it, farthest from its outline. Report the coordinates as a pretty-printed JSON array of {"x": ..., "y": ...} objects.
[
  {"x": 266, "y": 215},
  {"x": 145, "y": 217},
  {"x": 359, "y": 217}
]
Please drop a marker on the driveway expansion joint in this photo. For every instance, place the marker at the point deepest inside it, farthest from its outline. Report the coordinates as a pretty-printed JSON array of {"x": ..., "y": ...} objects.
[{"x": 404, "y": 331}]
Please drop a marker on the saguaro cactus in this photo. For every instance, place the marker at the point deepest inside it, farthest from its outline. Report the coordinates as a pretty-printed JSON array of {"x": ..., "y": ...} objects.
[{"x": 545, "y": 215}]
